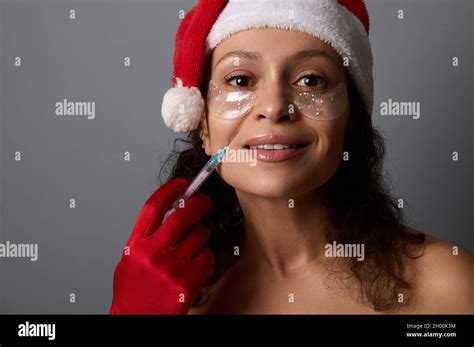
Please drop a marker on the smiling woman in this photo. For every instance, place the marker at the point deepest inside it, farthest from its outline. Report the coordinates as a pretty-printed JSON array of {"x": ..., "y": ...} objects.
[
  {"x": 281, "y": 247},
  {"x": 270, "y": 78}
]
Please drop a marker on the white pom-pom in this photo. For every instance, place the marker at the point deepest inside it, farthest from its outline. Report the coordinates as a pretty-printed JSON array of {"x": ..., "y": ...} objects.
[{"x": 182, "y": 108}]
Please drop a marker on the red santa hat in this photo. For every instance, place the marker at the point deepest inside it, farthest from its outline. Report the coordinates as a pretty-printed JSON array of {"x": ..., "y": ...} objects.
[{"x": 344, "y": 24}]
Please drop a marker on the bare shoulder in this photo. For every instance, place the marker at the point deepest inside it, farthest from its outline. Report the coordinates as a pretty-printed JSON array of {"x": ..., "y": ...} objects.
[{"x": 444, "y": 277}]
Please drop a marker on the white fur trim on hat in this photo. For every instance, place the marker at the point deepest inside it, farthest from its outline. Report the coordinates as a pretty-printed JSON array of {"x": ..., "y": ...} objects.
[
  {"x": 182, "y": 108},
  {"x": 326, "y": 19}
]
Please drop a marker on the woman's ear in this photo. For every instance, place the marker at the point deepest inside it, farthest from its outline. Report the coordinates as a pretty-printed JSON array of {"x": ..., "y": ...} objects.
[{"x": 204, "y": 135}]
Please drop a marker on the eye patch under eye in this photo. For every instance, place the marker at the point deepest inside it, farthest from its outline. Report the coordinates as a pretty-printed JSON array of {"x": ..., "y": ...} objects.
[
  {"x": 229, "y": 104},
  {"x": 237, "y": 104},
  {"x": 327, "y": 106}
]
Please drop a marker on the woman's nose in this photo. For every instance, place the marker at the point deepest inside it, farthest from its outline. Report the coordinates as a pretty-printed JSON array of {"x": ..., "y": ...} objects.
[{"x": 273, "y": 103}]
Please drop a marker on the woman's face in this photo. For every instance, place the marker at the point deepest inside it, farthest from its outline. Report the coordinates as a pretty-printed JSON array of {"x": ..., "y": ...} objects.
[{"x": 290, "y": 89}]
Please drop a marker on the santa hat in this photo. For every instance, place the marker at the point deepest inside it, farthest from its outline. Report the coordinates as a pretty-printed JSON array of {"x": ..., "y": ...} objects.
[{"x": 344, "y": 24}]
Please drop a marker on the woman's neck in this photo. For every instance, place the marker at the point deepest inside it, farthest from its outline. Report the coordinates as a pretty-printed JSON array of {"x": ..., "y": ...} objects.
[{"x": 283, "y": 235}]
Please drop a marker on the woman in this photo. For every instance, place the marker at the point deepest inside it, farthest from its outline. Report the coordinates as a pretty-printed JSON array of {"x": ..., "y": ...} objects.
[{"x": 310, "y": 228}]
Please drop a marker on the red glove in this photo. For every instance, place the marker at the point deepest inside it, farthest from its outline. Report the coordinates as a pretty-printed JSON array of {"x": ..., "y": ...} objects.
[{"x": 157, "y": 274}]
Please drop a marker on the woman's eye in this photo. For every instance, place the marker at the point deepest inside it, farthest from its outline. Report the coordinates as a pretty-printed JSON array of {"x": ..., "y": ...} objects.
[
  {"x": 240, "y": 81},
  {"x": 312, "y": 81}
]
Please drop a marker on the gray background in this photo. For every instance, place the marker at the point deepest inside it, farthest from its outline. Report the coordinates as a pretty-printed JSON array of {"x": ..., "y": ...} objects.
[{"x": 73, "y": 157}]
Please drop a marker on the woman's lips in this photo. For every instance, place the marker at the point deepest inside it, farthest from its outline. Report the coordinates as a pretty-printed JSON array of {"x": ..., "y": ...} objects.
[
  {"x": 278, "y": 155},
  {"x": 276, "y": 148}
]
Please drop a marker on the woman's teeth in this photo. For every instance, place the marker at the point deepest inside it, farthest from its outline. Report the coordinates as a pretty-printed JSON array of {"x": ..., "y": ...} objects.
[{"x": 273, "y": 146}]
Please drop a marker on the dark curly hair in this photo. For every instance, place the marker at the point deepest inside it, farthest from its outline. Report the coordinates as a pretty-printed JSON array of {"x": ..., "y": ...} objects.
[{"x": 362, "y": 210}]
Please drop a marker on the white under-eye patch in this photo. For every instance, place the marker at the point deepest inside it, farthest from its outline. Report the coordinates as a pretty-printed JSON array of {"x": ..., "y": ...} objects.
[{"x": 229, "y": 104}]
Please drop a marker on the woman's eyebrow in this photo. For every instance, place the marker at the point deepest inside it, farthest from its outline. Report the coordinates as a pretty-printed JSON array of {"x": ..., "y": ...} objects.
[
  {"x": 313, "y": 53},
  {"x": 257, "y": 56},
  {"x": 240, "y": 54}
]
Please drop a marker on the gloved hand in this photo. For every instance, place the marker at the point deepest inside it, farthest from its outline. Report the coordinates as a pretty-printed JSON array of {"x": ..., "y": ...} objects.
[{"x": 166, "y": 265}]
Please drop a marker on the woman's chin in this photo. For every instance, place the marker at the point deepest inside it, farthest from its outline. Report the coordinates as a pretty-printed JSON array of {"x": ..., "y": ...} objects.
[{"x": 269, "y": 187}]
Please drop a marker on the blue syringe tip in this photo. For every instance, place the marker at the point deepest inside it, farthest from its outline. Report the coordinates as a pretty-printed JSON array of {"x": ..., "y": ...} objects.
[{"x": 219, "y": 155}]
